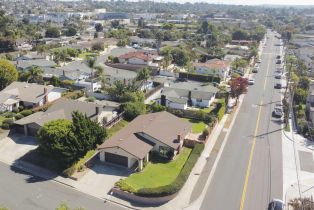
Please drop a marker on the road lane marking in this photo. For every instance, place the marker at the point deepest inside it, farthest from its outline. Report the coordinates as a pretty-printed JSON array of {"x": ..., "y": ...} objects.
[{"x": 248, "y": 170}]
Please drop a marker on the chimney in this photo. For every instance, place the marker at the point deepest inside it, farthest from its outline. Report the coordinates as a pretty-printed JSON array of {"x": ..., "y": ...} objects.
[
  {"x": 45, "y": 95},
  {"x": 190, "y": 98},
  {"x": 179, "y": 138},
  {"x": 97, "y": 110},
  {"x": 63, "y": 73}
]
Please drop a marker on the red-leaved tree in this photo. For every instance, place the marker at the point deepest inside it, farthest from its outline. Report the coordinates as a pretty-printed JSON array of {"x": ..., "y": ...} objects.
[{"x": 238, "y": 86}]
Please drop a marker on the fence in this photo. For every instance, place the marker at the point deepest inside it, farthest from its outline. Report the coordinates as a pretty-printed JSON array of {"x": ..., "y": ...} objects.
[{"x": 115, "y": 120}]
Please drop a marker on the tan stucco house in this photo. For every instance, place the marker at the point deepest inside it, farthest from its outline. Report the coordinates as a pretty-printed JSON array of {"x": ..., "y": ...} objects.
[{"x": 130, "y": 147}]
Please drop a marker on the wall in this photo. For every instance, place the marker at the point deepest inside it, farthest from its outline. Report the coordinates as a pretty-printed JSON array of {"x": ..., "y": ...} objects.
[
  {"x": 137, "y": 61},
  {"x": 173, "y": 105},
  {"x": 143, "y": 200},
  {"x": 54, "y": 94},
  {"x": 116, "y": 150}
]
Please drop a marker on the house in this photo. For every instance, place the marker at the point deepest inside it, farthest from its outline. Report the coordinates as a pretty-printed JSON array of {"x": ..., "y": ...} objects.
[
  {"x": 141, "y": 58},
  {"x": 62, "y": 109},
  {"x": 215, "y": 67},
  {"x": 29, "y": 95},
  {"x": 130, "y": 147},
  {"x": 183, "y": 98},
  {"x": 23, "y": 65}
]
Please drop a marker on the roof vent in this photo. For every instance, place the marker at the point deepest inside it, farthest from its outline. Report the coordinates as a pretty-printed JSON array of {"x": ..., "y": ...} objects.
[{"x": 121, "y": 139}]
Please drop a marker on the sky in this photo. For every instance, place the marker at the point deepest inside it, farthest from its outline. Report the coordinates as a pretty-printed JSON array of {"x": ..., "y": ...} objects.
[{"x": 252, "y": 2}]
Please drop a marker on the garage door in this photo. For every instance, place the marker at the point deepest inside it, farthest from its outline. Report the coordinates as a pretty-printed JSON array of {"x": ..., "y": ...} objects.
[{"x": 116, "y": 159}]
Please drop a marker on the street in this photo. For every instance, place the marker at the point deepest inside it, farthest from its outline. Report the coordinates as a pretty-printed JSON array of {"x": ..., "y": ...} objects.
[
  {"x": 20, "y": 191},
  {"x": 249, "y": 172}
]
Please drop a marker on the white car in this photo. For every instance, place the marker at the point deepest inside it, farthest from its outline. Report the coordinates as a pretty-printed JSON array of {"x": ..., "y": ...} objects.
[
  {"x": 276, "y": 204},
  {"x": 278, "y": 110},
  {"x": 251, "y": 81}
]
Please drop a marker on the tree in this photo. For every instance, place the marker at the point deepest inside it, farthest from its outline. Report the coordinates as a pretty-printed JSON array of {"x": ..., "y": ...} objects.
[
  {"x": 99, "y": 27},
  {"x": 300, "y": 96},
  {"x": 122, "y": 43},
  {"x": 115, "y": 23},
  {"x": 55, "y": 81},
  {"x": 304, "y": 82},
  {"x": 8, "y": 73},
  {"x": 52, "y": 32},
  {"x": 143, "y": 75},
  {"x": 240, "y": 34},
  {"x": 238, "y": 86},
  {"x": 239, "y": 63},
  {"x": 67, "y": 141},
  {"x": 71, "y": 31},
  {"x": 141, "y": 23},
  {"x": 34, "y": 74},
  {"x": 204, "y": 27},
  {"x": 133, "y": 109}
]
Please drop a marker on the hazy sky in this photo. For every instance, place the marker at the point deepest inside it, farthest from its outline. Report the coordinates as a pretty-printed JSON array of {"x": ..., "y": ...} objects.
[{"x": 244, "y": 2}]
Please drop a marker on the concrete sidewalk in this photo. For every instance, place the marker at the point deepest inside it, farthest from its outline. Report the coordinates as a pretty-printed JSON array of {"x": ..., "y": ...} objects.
[{"x": 298, "y": 165}]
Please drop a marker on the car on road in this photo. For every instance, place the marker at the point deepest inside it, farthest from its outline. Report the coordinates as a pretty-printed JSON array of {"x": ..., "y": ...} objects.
[
  {"x": 251, "y": 81},
  {"x": 278, "y": 61},
  {"x": 276, "y": 204},
  {"x": 278, "y": 110},
  {"x": 259, "y": 61},
  {"x": 278, "y": 57},
  {"x": 255, "y": 70},
  {"x": 278, "y": 76}
]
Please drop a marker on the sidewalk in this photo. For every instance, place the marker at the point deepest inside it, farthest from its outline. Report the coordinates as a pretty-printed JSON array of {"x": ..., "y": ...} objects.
[{"x": 298, "y": 165}]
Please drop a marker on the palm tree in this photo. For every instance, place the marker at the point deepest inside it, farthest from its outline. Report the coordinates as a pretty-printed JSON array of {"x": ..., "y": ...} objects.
[
  {"x": 34, "y": 74},
  {"x": 91, "y": 62}
]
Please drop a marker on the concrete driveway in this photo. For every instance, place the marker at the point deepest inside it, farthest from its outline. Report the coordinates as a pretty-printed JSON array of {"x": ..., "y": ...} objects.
[
  {"x": 100, "y": 179},
  {"x": 15, "y": 146}
]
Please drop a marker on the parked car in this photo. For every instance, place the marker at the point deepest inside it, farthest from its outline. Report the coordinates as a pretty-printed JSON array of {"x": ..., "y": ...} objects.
[
  {"x": 251, "y": 81},
  {"x": 278, "y": 57},
  {"x": 278, "y": 110},
  {"x": 278, "y": 85},
  {"x": 276, "y": 204},
  {"x": 255, "y": 70},
  {"x": 278, "y": 76},
  {"x": 278, "y": 61},
  {"x": 259, "y": 60}
]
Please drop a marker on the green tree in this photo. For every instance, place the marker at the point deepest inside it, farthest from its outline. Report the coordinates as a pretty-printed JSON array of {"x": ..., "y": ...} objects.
[
  {"x": 8, "y": 73},
  {"x": 71, "y": 31},
  {"x": 240, "y": 34},
  {"x": 143, "y": 75},
  {"x": 141, "y": 23},
  {"x": 52, "y": 32},
  {"x": 34, "y": 74},
  {"x": 239, "y": 63},
  {"x": 300, "y": 96},
  {"x": 180, "y": 56},
  {"x": 99, "y": 27},
  {"x": 204, "y": 27},
  {"x": 133, "y": 109}
]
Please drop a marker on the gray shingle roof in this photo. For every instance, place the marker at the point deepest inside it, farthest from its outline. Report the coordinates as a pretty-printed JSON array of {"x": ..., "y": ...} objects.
[{"x": 184, "y": 93}]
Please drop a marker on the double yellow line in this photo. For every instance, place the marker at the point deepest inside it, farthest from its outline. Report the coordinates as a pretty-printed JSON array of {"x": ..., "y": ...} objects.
[{"x": 248, "y": 170}]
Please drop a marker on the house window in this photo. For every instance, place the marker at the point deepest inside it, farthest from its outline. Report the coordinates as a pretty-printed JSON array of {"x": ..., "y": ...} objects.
[
  {"x": 199, "y": 100},
  {"x": 166, "y": 152}
]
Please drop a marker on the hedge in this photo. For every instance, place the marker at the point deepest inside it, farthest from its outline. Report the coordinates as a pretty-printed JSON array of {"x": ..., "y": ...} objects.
[
  {"x": 199, "y": 77},
  {"x": 175, "y": 186},
  {"x": 26, "y": 112}
]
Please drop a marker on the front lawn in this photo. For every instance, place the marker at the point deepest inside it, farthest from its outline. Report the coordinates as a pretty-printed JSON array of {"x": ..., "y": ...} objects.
[
  {"x": 197, "y": 126},
  {"x": 86, "y": 54},
  {"x": 1, "y": 119},
  {"x": 158, "y": 174}
]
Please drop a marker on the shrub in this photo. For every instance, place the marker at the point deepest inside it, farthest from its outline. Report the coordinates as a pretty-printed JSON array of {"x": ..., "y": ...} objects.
[
  {"x": 15, "y": 110},
  {"x": 91, "y": 99},
  {"x": 205, "y": 132},
  {"x": 9, "y": 114},
  {"x": 175, "y": 186},
  {"x": 8, "y": 121},
  {"x": 69, "y": 171},
  {"x": 5, "y": 126},
  {"x": 157, "y": 107},
  {"x": 18, "y": 116},
  {"x": 115, "y": 60},
  {"x": 26, "y": 112},
  {"x": 21, "y": 108}
]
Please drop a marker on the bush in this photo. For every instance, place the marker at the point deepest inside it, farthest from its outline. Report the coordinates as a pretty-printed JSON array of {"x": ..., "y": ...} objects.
[
  {"x": 69, "y": 171},
  {"x": 115, "y": 60},
  {"x": 91, "y": 99},
  {"x": 5, "y": 126},
  {"x": 18, "y": 116},
  {"x": 9, "y": 114},
  {"x": 21, "y": 108},
  {"x": 8, "y": 121},
  {"x": 26, "y": 112},
  {"x": 157, "y": 107},
  {"x": 15, "y": 110},
  {"x": 175, "y": 186},
  {"x": 205, "y": 132}
]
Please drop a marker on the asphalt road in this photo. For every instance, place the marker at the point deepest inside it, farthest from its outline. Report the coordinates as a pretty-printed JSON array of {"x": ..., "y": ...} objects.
[
  {"x": 249, "y": 172},
  {"x": 20, "y": 191}
]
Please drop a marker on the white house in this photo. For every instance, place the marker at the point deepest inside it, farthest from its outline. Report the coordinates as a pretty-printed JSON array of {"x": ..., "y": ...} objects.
[
  {"x": 215, "y": 67},
  {"x": 28, "y": 94},
  {"x": 141, "y": 58}
]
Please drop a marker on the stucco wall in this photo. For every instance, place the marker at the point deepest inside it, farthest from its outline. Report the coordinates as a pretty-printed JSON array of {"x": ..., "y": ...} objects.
[
  {"x": 137, "y": 61},
  {"x": 54, "y": 95}
]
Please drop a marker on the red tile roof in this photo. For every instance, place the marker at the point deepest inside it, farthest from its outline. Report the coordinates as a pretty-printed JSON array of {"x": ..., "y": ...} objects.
[{"x": 140, "y": 55}]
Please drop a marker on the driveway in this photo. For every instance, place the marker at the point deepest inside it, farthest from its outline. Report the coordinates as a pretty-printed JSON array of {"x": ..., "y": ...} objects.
[
  {"x": 100, "y": 179},
  {"x": 15, "y": 146}
]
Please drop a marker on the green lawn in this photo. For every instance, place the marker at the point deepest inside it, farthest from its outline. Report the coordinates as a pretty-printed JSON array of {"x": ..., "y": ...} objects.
[
  {"x": 158, "y": 174},
  {"x": 114, "y": 129},
  {"x": 1, "y": 119},
  {"x": 197, "y": 126}
]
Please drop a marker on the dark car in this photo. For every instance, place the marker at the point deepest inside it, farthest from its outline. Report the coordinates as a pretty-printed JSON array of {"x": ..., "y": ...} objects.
[
  {"x": 276, "y": 204},
  {"x": 278, "y": 61},
  {"x": 278, "y": 57},
  {"x": 278, "y": 86}
]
